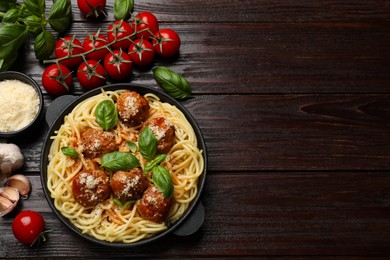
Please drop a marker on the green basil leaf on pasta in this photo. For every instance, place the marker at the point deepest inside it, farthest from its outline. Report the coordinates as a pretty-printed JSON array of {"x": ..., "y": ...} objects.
[
  {"x": 131, "y": 146},
  {"x": 163, "y": 181},
  {"x": 117, "y": 161},
  {"x": 174, "y": 84},
  {"x": 153, "y": 163},
  {"x": 69, "y": 151},
  {"x": 147, "y": 143},
  {"x": 106, "y": 114}
]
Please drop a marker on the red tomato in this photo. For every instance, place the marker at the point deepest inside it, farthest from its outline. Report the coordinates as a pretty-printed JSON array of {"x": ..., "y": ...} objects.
[
  {"x": 141, "y": 52},
  {"x": 92, "y": 8},
  {"x": 118, "y": 65},
  {"x": 95, "y": 40},
  {"x": 91, "y": 74},
  {"x": 69, "y": 46},
  {"x": 118, "y": 30},
  {"x": 145, "y": 20},
  {"x": 28, "y": 227},
  {"x": 57, "y": 79},
  {"x": 166, "y": 42}
]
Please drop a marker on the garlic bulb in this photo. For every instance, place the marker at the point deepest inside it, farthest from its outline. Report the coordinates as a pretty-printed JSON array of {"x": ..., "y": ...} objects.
[
  {"x": 21, "y": 183},
  {"x": 9, "y": 198},
  {"x": 11, "y": 159}
]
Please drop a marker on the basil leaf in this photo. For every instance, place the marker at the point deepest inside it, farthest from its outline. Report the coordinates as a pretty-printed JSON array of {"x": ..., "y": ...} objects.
[
  {"x": 131, "y": 145},
  {"x": 11, "y": 16},
  {"x": 147, "y": 143},
  {"x": 60, "y": 15},
  {"x": 7, "y": 4},
  {"x": 12, "y": 36},
  {"x": 163, "y": 181},
  {"x": 122, "y": 9},
  {"x": 34, "y": 23},
  {"x": 69, "y": 151},
  {"x": 174, "y": 84},
  {"x": 117, "y": 161},
  {"x": 157, "y": 160},
  {"x": 44, "y": 45},
  {"x": 106, "y": 114},
  {"x": 36, "y": 7},
  {"x": 121, "y": 205}
]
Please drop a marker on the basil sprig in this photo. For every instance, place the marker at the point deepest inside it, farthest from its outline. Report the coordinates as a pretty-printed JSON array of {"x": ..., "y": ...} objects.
[
  {"x": 30, "y": 16},
  {"x": 131, "y": 146},
  {"x": 147, "y": 143},
  {"x": 69, "y": 151},
  {"x": 174, "y": 84},
  {"x": 122, "y": 9},
  {"x": 153, "y": 163},
  {"x": 117, "y": 161},
  {"x": 123, "y": 206},
  {"x": 163, "y": 181},
  {"x": 106, "y": 114}
]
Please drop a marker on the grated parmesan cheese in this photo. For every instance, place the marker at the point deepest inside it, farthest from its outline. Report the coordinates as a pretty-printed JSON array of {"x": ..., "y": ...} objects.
[{"x": 19, "y": 104}]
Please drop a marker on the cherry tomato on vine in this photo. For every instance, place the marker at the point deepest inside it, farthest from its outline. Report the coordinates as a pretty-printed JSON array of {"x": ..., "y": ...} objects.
[
  {"x": 92, "y": 8},
  {"x": 141, "y": 52},
  {"x": 57, "y": 79},
  {"x": 145, "y": 20},
  {"x": 28, "y": 227},
  {"x": 118, "y": 30},
  {"x": 91, "y": 74},
  {"x": 166, "y": 42},
  {"x": 118, "y": 65},
  {"x": 95, "y": 40},
  {"x": 69, "y": 45}
]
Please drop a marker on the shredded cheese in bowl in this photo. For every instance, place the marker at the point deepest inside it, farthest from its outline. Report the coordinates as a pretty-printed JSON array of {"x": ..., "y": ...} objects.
[{"x": 19, "y": 105}]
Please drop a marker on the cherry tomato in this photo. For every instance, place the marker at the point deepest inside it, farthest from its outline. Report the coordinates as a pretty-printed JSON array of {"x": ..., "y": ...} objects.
[
  {"x": 91, "y": 74},
  {"x": 95, "y": 40},
  {"x": 66, "y": 46},
  {"x": 118, "y": 30},
  {"x": 28, "y": 227},
  {"x": 57, "y": 79},
  {"x": 118, "y": 65},
  {"x": 145, "y": 20},
  {"x": 141, "y": 52},
  {"x": 92, "y": 8},
  {"x": 166, "y": 42}
]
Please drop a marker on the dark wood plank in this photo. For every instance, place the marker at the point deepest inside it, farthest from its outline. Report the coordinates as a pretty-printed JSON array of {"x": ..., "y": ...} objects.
[
  {"x": 266, "y": 58},
  {"x": 290, "y": 132},
  {"x": 251, "y": 215}
]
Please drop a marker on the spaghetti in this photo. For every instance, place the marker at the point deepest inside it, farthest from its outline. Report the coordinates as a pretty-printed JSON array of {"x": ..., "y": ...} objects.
[{"x": 107, "y": 221}]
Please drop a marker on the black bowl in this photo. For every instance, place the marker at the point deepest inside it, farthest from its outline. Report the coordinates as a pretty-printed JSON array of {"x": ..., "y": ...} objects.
[
  {"x": 187, "y": 224},
  {"x": 10, "y": 75}
]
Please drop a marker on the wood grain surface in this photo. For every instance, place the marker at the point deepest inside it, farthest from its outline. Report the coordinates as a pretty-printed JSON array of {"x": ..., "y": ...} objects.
[{"x": 293, "y": 100}]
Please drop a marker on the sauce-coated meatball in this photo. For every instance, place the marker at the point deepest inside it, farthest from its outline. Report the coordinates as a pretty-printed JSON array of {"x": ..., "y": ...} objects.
[
  {"x": 154, "y": 206},
  {"x": 133, "y": 109},
  {"x": 97, "y": 142},
  {"x": 164, "y": 131},
  {"x": 129, "y": 185},
  {"x": 90, "y": 187}
]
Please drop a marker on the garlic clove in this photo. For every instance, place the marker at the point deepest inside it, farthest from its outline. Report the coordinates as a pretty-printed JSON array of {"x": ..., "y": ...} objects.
[
  {"x": 6, "y": 206},
  {"x": 10, "y": 193},
  {"x": 21, "y": 183}
]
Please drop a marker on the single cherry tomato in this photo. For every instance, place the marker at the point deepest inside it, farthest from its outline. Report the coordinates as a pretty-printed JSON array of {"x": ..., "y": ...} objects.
[
  {"x": 28, "y": 227},
  {"x": 118, "y": 30},
  {"x": 92, "y": 8},
  {"x": 57, "y": 79},
  {"x": 141, "y": 52},
  {"x": 66, "y": 46},
  {"x": 91, "y": 74},
  {"x": 145, "y": 21},
  {"x": 95, "y": 40},
  {"x": 118, "y": 65},
  {"x": 166, "y": 42}
]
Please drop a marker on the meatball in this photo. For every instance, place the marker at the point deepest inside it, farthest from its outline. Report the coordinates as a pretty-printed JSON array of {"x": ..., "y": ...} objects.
[
  {"x": 90, "y": 187},
  {"x": 97, "y": 142},
  {"x": 129, "y": 185},
  {"x": 133, "y": 109},
  {"x": 164, "y": 131},
  {"x": 154, "y": 206}
]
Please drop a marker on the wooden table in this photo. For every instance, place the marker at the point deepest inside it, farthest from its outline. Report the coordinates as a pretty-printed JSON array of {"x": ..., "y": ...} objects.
[{"x": 293, "y": 99}]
